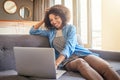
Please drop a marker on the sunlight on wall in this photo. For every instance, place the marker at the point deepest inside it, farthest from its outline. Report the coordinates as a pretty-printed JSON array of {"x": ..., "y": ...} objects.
[
  {"x": 8, "y": 27},
  {"x": 111, "y": 25}
]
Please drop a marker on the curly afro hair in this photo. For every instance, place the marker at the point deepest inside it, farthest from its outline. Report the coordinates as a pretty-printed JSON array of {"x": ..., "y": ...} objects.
[{"x": 58, "y": 10}]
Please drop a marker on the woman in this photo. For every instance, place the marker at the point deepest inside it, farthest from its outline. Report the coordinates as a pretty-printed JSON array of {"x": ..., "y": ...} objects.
[{"x": 69, "y": 54}]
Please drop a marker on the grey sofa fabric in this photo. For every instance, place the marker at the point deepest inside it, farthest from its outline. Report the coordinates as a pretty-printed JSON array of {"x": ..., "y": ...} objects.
[
  {"x": 7, "y": 42},
  {"x": 108, "y": 55},
  {"x": 7, "y": 61}
]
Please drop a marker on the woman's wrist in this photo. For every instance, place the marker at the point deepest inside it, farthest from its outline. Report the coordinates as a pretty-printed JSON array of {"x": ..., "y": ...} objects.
[
  {"x": 57, "y": 63},
  {"x": 38, "y": 24},
  {"x": 60, "y": 59}
]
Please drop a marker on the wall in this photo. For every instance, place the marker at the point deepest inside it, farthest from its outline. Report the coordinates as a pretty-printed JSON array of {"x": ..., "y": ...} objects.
[
  {"x": 111, "y": 25},
  {"x": 14, "y": 24},
  {"x": 16, "y": 16},
  {"x": 16, "y": 27}
]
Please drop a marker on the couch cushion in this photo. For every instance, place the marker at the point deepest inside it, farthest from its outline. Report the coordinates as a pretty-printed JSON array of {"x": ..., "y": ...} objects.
[
  {"x": 79, "y": 40},
  {"x": 7, "y": 42},
  {"x": 8, "y": 73}
]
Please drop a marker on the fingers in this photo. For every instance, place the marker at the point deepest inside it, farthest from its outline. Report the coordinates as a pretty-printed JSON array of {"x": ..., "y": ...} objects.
[
  {"x": 56, "y": 66},
  {"x": 46, "y": 10}
]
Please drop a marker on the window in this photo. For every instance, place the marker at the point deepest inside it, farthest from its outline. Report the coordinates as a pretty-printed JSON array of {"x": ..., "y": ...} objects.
[
  {"x": 58, "y": 1},
  {"x": 69, "y": 5},
  {"x": 90, "y": 15},
  {"x": 96, "y": 23},
  {"x": 83, "y": 21}
]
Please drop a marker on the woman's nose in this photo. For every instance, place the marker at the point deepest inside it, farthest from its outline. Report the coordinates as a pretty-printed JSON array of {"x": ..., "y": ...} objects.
[{"x": 54, "y": 22}]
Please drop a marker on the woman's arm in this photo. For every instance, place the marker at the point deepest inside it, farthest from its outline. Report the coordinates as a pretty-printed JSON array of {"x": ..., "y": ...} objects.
[
  {"x": 41, "y": 22},
  {"x": 36, "y": 26},
  {"x": 59, "y": 60},
  {"x": 36, "y": 31}
]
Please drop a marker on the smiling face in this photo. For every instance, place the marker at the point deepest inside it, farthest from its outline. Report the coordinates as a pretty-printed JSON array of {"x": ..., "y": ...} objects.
[
  {"x": 57, "y": 17},
  {"x": 55, "y": 21}
]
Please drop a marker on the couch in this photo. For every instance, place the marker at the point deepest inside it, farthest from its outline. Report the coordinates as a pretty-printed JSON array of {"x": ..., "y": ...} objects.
[{"x": 7, "y": 61}]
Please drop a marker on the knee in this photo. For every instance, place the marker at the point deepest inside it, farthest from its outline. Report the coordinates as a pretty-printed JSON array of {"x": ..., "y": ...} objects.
[
  {"x": 76, "y": 64},
  {"x": 81, "y": 63}
]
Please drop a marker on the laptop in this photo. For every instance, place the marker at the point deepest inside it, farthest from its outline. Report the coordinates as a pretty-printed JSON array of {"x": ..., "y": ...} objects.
[{"x": 36, "y": 62}]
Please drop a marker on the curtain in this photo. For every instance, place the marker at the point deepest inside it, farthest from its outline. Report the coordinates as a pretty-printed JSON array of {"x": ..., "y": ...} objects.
[{"x": 39, "y": 7}]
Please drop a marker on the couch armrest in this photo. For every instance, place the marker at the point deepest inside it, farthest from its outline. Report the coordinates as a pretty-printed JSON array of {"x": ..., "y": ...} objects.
[{"x": 108, "y": 55}]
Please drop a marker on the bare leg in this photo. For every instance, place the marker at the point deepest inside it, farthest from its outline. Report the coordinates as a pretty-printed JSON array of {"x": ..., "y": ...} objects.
[
  {"x": 83, "y": 67},
  {"x": 102, "y": 67}
]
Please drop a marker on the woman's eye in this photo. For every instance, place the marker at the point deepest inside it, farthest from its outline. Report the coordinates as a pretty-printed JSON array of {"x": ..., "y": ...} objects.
[{"x": 56, "y": 17}]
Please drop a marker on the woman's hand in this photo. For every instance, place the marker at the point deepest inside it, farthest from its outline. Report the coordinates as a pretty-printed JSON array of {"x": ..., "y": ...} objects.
[
  {"x": 36, "y": 26},
  {"x": 56, "y": 65},
  {"x": 59, "y": 60},
  {"x": 46, "y": 10}
]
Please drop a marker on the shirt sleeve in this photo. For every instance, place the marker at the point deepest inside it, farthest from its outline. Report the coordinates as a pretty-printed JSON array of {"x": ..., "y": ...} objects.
[
  {"x": 70, "y": 42},
  {"x": 38, "y": 32}
]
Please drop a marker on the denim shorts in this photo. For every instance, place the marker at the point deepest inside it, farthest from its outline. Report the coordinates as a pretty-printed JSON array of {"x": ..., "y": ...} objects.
[{"x": 71, "y": 58}]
